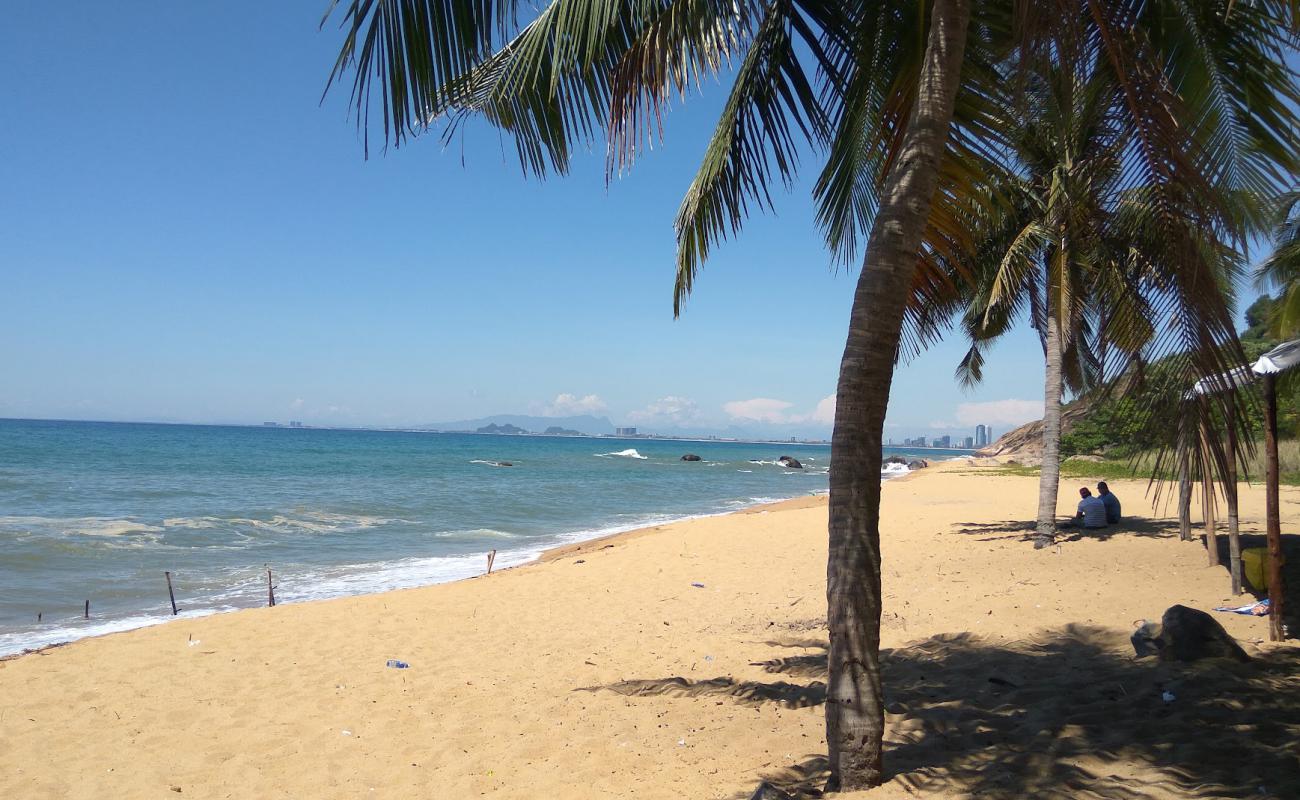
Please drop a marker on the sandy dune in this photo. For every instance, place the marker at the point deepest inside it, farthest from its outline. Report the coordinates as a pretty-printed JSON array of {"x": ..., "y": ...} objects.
[{"x": 604, "y": 672}]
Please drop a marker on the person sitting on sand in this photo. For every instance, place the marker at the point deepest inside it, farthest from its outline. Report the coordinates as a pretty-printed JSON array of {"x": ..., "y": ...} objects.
[
  {"x": 1092, "y": 511},
  {"x": 1111, "y": 502}
]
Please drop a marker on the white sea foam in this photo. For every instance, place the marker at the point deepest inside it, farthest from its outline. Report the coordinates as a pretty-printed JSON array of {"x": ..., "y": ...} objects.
[
  {"x": 300, "y": 522},
  {"x": 79, "y": 526},
  {"x": 477, "y": 533},
  {"x": 628, "y": 453}
]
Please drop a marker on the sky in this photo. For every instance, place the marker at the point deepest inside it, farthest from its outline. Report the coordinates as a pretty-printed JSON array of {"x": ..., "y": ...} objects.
[{"x": 189, "y": 234}]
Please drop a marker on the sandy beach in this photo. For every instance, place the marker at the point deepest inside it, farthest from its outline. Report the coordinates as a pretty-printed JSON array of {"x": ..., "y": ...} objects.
[{"x": 688, "y": 660}]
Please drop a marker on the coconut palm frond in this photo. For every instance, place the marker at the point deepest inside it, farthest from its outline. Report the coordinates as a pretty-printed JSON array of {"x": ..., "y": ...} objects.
[{"x": 773, "y": 108}]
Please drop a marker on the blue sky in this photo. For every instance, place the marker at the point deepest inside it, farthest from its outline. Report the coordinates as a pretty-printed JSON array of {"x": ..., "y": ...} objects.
[{"x": 188, "y": 234}]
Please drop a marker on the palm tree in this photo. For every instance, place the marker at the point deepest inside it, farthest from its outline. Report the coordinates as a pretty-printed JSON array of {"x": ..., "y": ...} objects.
[
  {"x": 1280, "y": 271},
  {"x": 1085, "y": 254},
  {"x": 897, "y": 96}
]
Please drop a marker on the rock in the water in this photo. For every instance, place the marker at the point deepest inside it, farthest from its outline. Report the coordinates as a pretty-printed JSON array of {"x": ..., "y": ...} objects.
[
  {"x": 690, "y": 457},
  {"x": 767, "y": 791},
  {"x": 792, "y": 463},
  {"x": 919, "y": 463},
  {"x": 1185, "y": 634},
  {"x": 504, "y": 464},
  {"x": 893, "y": 460}
]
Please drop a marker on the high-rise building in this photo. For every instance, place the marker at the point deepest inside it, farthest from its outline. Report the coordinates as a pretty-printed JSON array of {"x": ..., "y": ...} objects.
[
  {"x": 968, "y": 443},
  {"x": 943, "y": 441},
  {"x": 981, "y": 435}
]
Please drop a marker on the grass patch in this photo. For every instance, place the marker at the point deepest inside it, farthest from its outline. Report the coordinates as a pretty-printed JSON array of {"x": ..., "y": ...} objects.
[{"x": 1143, "y": 467}]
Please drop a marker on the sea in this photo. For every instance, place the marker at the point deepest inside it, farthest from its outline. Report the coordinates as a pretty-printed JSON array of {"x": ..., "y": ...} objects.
[{"x": 99, "y": 512}]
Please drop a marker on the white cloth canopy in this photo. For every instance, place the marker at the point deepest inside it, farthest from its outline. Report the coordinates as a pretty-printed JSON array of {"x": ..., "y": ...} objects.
[
  {"x": 1284, "y": 357},
  {"x": 1223, "y": 382}
]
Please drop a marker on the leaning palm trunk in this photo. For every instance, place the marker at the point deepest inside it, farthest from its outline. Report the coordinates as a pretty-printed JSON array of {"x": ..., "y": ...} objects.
[
  {"x": 1049, "y": 481},
  {"x": 854, "y": 707}
]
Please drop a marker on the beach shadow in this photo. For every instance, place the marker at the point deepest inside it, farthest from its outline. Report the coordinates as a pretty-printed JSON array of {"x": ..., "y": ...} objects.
[
  {"x": 1252, "y": 536},
  {"x": 750, "y": 693},
  {"x": 1023, "y": 531},
  {"x": 1067, "y": 714}
]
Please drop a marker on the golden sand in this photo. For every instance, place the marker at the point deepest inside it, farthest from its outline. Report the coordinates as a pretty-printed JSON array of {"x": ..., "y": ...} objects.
[{"x": 603, "y": 671}]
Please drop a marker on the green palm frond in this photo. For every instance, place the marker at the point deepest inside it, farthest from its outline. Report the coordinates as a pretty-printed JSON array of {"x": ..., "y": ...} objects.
[{"x": 772, "y": 108}]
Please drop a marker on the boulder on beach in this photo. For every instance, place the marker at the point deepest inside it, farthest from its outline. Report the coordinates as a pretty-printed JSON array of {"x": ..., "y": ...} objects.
[
  {"x": 690, "y": 457},
  {"x": 1185, "y": 634},
  {"x": 791, "y": 463},
  {"x": 919, "y": 463}
]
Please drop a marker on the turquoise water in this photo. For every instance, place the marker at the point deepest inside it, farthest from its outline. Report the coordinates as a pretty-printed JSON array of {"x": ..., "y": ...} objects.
[{"x": 98, "y": 511}]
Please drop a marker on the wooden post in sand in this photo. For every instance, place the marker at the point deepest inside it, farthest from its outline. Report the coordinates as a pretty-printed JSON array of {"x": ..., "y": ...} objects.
[
  {"x": 170, "y": 594},
  {"x": 270, "y": 589},
  {"x": 1230, "y": 495},
  {"x": 86, "y": 614},
  {"x": 491, "y": 557},
  {"x": 1276, "y": 632},
  {"x": 1209, "y": 495},
  {"x": 1184, "y": 482}
]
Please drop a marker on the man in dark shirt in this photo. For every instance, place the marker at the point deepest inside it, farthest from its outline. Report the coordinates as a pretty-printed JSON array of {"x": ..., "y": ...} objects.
[{"x": 1111, "y": 502}]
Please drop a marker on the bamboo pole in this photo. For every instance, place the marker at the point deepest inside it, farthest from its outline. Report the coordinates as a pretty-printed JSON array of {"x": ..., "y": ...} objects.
[
  {"x": 491, "y": 558},
  {"x": 1230, "y": 494},
  {"x": 1208, "y": 494},
  {"x": 1184, "y": 482},
  {"x": 1275, "y": 630},
  {"x": 86, "y": 613},
  {"x": 270, "y": 589},
  {"x": 170, "y": 594}
]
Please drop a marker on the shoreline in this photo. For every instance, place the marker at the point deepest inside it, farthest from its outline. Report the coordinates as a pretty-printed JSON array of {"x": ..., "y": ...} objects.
[
  {"x": 531, "y": 555},
  {"x": 141, "y": 620},
  {"x": 691, "y": 662}
]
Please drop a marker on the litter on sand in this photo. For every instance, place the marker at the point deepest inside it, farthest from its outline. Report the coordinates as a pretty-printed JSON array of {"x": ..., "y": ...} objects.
[{"x": 1257, "y": 609}]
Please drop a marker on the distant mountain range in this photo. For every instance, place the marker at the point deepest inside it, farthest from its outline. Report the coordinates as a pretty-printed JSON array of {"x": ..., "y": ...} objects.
[{"x": 592, "y": 426}]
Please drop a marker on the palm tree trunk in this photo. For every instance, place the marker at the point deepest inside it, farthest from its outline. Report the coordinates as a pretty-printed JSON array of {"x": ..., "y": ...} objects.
[
  {"x": 854, "y": 705},
  {"x": 1049, "y": 479}
]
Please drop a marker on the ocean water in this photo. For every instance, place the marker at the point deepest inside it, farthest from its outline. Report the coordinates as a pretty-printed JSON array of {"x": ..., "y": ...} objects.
[{"x": 98, "y": 511}]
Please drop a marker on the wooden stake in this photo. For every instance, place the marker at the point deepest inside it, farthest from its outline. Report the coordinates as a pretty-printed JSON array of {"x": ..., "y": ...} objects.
[
  {"x": 491, "y": 557},
  {"x": 86, "y": 615},
  {"x": 170, "y": 593},
  {"x": 1184, "y": 483},
  {"x": 1275, "y": 630},
  {"x": 38, "y": 615},
  {"x": 1230, "y": 494},
  {"x": 1209, "y": 496},
  {"x": 270, "y": 589}
]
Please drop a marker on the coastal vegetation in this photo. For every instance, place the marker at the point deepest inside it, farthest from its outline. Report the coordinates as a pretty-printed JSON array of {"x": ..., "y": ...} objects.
[{"x": 905, "y": 106}]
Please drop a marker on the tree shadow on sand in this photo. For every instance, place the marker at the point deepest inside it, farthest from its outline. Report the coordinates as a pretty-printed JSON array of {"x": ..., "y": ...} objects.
[
  {"x": 1023, "y": 531},
  {"x": 1068, "y": 714}
]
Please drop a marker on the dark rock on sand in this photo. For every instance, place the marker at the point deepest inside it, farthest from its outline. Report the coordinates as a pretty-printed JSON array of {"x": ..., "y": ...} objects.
[
  {"x": 690, "y": 457},
  {"x": 919, "y": 463},
  {"x": 792, "y": 463},
  {"x": 1185, "y": 634},
  {"x": 767, "y": 791}
]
